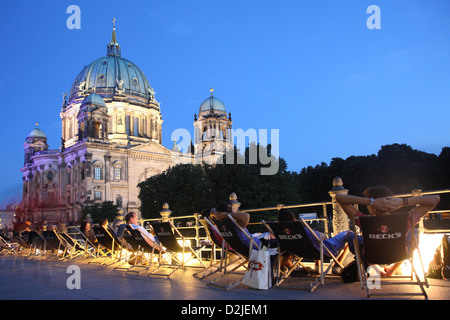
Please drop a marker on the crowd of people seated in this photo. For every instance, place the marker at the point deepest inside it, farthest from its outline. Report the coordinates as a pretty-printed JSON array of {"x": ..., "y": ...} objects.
[
  {"x": 18, "y": 235},
  {"x": 379, "y": 201}
]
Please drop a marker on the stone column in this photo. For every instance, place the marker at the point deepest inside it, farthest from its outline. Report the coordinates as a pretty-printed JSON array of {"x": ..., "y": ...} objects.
[
  {"x": 340, "y": 220},
  {"x": 418, "y": 193}
]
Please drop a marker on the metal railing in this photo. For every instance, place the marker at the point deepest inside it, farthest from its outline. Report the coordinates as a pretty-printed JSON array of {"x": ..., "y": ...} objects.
[
  {"x": 189, "y": 226},
  {"x": 193, "y": 228}
]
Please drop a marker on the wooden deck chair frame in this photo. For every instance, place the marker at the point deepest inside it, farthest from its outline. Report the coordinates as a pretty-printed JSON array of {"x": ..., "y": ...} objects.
[
  {"x": 90, "y": 249},
  {"x": 292, "y": 238},
  {"x": 110, "y": 249},
  {"x": 218, "y": 266},
  {"x": 168, "y": 236},
  {"x": 23, "y": 247},
  {"x": 231, "y": 239},
  {"x": 75, "y": 248},
  {"x": 389, "y": 233},
  {"x": 143, "y": 253},
  {"x": 8, "y": 248}
]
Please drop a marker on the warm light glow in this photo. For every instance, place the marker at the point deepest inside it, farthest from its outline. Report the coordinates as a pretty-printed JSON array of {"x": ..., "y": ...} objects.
[
  {"x": 427, "y": 245},
  {"x": 187, "y": 254}
]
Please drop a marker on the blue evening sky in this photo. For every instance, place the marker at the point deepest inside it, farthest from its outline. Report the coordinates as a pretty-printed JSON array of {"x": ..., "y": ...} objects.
[{"x": 311, "y": 69}]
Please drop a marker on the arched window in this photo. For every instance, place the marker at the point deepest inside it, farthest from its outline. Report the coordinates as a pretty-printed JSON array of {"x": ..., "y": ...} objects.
[
  {"x": 98, "y": 173},
  {"x": 118, "y": 172},
  {"x": 98, "y": 130},
  {"x": 98, "y": 170}
]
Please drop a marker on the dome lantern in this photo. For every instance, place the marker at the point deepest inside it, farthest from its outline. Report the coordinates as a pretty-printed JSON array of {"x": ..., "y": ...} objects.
[{"x": 113, "y": 47}]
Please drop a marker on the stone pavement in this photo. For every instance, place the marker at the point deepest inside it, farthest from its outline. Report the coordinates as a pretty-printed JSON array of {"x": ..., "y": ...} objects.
[{"x": 22, "y": 279}]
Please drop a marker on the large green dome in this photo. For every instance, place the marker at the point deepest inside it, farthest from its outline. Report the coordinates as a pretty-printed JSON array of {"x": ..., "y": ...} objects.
[{"x": 112, "y": 74}]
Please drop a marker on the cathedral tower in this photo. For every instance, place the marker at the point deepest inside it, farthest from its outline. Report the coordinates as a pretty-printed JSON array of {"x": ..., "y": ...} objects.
[{"x": 212, "y": 128}]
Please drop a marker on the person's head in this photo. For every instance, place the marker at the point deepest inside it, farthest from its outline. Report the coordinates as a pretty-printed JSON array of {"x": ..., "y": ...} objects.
[
  {"x": 131, "y": 218},
  {"x": 104, "y": 222},
  {"x": 85, "y": 226},
  {"x": 377, "y": 192},
  {"x": 205, "y": 213},
  {"x": 285, "y": 215},
  {"x": 224, "y": 207}
]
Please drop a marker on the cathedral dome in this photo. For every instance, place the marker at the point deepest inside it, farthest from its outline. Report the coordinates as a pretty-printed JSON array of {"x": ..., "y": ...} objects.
[
  {"x": 36, "y": 133},
  {"x": 110, "y": 75},
  {"x": 212, "y": 103}
]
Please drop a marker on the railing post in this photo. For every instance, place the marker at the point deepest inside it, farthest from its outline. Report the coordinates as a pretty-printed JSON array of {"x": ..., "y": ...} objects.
[
  {"x": 234, "y": 203},
  {"x": 165, "y": 213},
  {"x": 418, "y": 193},
  {"x": 325, "y": 215},
  {"x": 340, "y": 220}
]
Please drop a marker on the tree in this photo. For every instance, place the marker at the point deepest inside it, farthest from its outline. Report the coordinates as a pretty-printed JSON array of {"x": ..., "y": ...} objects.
[
  {"x": 99, "y": 211},
  {"x": 189, "y": 188}
]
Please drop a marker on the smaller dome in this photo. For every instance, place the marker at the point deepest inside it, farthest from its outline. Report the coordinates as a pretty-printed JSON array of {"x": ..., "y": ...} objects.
[
  {"x": 36, "y": 133},
  {"x": 93, "y": 99},
  {"x": 212, "y": 103}
]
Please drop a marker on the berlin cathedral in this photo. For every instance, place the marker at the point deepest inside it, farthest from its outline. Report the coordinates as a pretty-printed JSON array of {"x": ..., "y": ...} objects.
[{"x": 111, "y": 141}]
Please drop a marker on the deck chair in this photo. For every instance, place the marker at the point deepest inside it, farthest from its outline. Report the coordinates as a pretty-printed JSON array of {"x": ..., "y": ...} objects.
[
  {"x": 142, "y": 252},
  {"x": 218, "y": 243},
  {"x": 91, "y": 250},
  {"x": 55, "y": 247},
  {"x": 227, "y": 229},
  {"x": 385, "y": 242},
  {"x": 167, "y": 234},
  {"x": 292, "y": 238},
  {"x": 36, "y": 244},
  {"x": 76, "y": 249},
  {"x": 110, "y": 250},
  {"x": 7, "y": 247},
  {"x": 23, "y": 244}
]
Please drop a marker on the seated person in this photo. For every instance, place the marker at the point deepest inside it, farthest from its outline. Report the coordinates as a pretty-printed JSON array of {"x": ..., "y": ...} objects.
[
  {"x": 86, "y": 230},
  {"x": 242, "y": 219},
  {"x": 105, "y": 224},
  {"x": 131, "y": 220},
  {"x": 380, "y": 201},
  {"x": 214, "y": 233},
  {"x": 335, "y": 244}
]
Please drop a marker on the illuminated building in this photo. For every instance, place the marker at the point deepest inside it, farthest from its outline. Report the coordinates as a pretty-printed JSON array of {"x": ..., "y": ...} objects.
[{"x": 111, "y": 141}]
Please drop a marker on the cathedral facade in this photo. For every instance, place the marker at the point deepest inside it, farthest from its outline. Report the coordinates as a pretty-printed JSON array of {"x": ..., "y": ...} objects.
[{"x": 111, "y": 141}]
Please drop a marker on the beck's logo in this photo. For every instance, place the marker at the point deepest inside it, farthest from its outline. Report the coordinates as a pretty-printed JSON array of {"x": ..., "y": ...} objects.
[
  {"x": 163, "y": 233},
  {"x": 225, "y": 233},
  {"x": 385, "y": 233},
  {"x": 288, "y": 235},
  {"x": 255, "y": 265}
]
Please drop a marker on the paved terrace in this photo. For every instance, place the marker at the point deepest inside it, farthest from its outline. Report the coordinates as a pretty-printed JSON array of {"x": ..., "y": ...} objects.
[{"x": 23, "y": 279}]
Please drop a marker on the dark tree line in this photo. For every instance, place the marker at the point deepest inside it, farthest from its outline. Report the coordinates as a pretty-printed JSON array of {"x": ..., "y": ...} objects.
[{"x": 189, "y": 188}]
